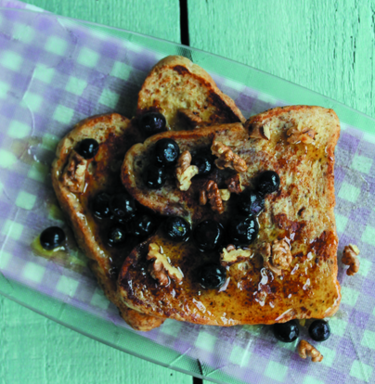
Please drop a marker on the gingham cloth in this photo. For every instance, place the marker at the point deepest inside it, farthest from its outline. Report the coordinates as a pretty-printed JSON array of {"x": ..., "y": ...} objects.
[{"x": 55, "y": 72}]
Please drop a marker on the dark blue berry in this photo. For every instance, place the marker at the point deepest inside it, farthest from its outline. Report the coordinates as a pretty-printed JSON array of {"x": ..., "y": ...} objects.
[
  {"x": 52, "y": 238},
  {"x": 268, "y": 182},
  {"x": 251, "y": 202},
  {"x": 204, "y": 161},
  {"x": 144, "y": 225},
  {"x": 122, "y": 207},
  {"x": 211, "y": 276},
  {"x": 152, "y": 123},
  {"x": 319, "y": 330},
  {"x": 286, "y": 332},
  {"x": 167, "y": 152},
  {"x": 155, "y": 176},
  {"x": 176, "y": 229},
  {"x": 116, "y": 236},
  {"x": 88, "y": 148},
  {"x": 101, "y": 205},
  {"x": 242, "y": 230},
  {"x": 208, "y": 235}
]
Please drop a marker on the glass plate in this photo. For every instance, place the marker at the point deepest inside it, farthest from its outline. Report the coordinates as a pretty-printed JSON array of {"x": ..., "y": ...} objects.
[{"x": 56, "y": 71}]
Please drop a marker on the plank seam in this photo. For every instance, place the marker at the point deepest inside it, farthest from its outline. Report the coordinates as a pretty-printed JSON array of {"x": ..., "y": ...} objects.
[{"x": 184, "y": 22}]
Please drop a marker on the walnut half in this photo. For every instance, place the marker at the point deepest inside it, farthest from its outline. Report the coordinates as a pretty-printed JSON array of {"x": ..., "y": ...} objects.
[
  {"x": 276, "y": 256},
  {"x": 73, "y": 176},
  {"x": 184, "y": 171},
  {"x": 305, "y": 349},
  {"x": 161, "y": 269},
  {"x": 227, "y": 158},
  {"x": 350, "y": 258}
]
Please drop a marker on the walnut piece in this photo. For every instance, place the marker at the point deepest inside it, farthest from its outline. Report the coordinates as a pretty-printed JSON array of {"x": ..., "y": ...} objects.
[
  {"x": 305, "y": 349},
  {"x": 192, "y": 119},
  {"x": 231, "y": 255},
  {"x": 260, "y": 132},
  {"x": 184, "y": 171},
  {"x": 276, "y": 256},
  {"x": 227, "y": 158},
  {"x": 202, "y": 197},
  {"x": 224, "y": 194},
  {"x": 300, "y": 135},
  {"x": 234, "y": 184},
  {"x": 161, "y": 268},
  {"x": 281, "y": 255},
  {"x": 211, "y": 192},
  {"x": 73, "y": 176},
  {"x": 350, "y": 258}
]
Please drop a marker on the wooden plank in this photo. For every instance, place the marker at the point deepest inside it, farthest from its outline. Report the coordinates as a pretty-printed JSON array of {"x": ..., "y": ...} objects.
[
  {"x": 327, "y": 46},
  {"x": 34, "y": 349},
  {"x": 143, "y": 16}
]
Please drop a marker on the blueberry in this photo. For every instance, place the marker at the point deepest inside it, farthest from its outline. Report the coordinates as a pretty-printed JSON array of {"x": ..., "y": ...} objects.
[
  {"x": 208, "y": 235},
  {"x": 144, "y": 225},
  {"x": 167, "y": 152},
  {"x": 286, "y": 332},
  {"x": 251, "y": 202},
  {"x": 122, "y": 207},
  {"x": 204, "y": 161},
  {"x": 51, "y": 238},
  {"x": 116, "y": 236},
  {"x": 155, "y": 177},
  {"x": 242, "y": 230},
  {"x": 319, "y": 330},
  {"x": 211, "y": 276},
  {"x": 268, "y": 182},
  {"x": 152, "y": 123},
  {"x": 88, "y": 148},
  {"x": 176, "y": 229},
  {"x": 101, "y": 205}
]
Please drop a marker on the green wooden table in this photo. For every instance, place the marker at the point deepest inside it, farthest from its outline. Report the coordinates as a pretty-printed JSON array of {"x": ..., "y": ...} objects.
[{"x": 327, "y": 46}]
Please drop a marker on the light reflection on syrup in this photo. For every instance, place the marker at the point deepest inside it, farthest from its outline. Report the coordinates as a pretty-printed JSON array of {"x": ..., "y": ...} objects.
[
  {"x": 294, "y": 270},
  {"x": 199, "y": 305},
  {"x": 306, "y": 285},
  {"x": 225, "y": 285}
]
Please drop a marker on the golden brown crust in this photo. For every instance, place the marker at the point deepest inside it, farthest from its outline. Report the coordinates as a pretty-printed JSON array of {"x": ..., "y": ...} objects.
[
  {"x": 174, "y": 84},
  {"x": 118, "y": 131},
  {"x": 300, "y": 213}
]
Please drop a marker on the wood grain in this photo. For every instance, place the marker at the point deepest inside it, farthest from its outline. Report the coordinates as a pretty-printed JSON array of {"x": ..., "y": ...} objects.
[
  {"x": 158, "y": 19},
  {"x": 327, "y": 46},
  {"x": 34, "y": 349}
]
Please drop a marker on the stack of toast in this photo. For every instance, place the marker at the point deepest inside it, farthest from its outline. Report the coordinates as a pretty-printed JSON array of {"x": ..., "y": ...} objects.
[{"x": 288, "y": 267}]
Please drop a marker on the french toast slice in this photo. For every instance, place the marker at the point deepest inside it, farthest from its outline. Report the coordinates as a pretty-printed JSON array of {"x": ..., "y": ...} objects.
[
  {"x": 289, "y": 271},
  {"x": 77, "y": 181},
  {"x": 186, "y": 95}
]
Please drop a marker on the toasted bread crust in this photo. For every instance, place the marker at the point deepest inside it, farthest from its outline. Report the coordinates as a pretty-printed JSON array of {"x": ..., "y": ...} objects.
[
  {"x": 175, "y": 83},
  {"x": 115, "y": 134},
  {"x": 301, "y": 213}
]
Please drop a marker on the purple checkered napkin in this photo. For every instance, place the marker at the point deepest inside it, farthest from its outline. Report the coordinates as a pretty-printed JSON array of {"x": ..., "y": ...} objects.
[{"x": 55, "y": 72}]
